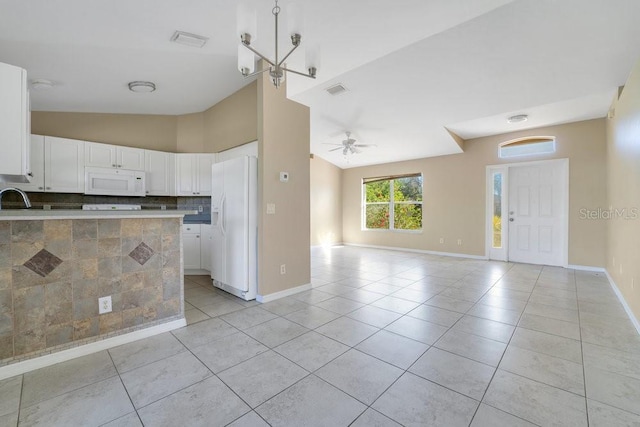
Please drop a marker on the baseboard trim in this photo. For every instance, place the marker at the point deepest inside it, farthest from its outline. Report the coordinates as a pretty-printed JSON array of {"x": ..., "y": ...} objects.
[
  {"x": 328, "y": 246},
  {"x": 420, "y": 251},
  {"x": 586, "y": 268},
  {"x": 18, "y": 368},
  {"x": 197, "y": 273},
  {"x": 287, "y": 292},
  {"x": 632, "y": 317}
]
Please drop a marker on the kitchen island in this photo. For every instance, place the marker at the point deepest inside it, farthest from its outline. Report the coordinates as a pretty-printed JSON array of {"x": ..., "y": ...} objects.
[{"x": 56, "y": 264}]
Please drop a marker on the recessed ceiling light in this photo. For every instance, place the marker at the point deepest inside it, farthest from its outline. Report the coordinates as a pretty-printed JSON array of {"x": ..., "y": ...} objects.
[
  {"x": 336, "y": 89},
  {"x": 189, "y": 39},
  {"x": 518, "y": 118},
  {"x": 41, "y": 84},
  {"x": 142, "y": 87}
]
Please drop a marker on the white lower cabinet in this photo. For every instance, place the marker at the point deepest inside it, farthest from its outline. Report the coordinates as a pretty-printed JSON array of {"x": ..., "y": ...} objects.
[{"x": 196, "y": 243}]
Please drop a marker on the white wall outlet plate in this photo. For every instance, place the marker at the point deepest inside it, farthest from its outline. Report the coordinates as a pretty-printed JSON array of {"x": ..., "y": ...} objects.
[
  {"x": 104, "y": 305},
  {"x": 284, "y": 176}
]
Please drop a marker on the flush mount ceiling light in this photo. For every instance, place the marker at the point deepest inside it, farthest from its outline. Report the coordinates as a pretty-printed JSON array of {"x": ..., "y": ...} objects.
[
  {"x": 41, "y": 84},
  {"x": 518, "y": 118},
  {"x": 246, "y": 59},
  {"x": 189, "y": 39},
  {"x": 142, "y": 87}
]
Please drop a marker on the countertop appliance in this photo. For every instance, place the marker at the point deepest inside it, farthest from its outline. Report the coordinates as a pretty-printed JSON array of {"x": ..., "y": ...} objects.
[
  {"x": 114, "y": 182},
  {"x": 110, "y": 207},
  {"x": 234, "y": 220}
]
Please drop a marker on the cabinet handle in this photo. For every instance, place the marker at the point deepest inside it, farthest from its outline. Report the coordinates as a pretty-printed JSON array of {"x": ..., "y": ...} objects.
[
  {"x": 197, "y": 237},
  {"x": 48, "y": 188},
  {"x": 113, "y": 166},
  {"x": 40, "y": 188}
]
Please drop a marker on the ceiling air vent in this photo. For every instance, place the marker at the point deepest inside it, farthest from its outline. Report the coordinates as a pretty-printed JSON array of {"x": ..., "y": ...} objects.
[
  {"x": 336, "y": 89},
  {"x": 189, "y": 39}
]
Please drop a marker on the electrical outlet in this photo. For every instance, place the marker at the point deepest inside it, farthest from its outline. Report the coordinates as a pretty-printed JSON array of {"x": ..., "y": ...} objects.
[
  {"x": 442, "y": 240},
  {"x": 283, "y": 269},
  {"x": 104, "y": 305},
  {"x": 459, "y": 242},
  {"x": 200, "y": 208},
  {"x": 271, "y": 208}
]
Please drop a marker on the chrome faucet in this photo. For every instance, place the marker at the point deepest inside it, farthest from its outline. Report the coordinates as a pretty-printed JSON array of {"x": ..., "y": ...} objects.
[{"x": 25, "y": 198}]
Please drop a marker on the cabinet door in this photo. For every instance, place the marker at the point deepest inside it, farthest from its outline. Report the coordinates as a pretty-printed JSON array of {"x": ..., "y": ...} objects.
[
  {"x": 206, "y": 244},
  {"x": 204, "y": 163},
  {"x": 160, "y": 173},
  {"x": 130, "y": 158},
  {"x": 63, "y": 165},
  {"x": 37, "y": 168},
  {"x": 14, "y": 118},
  {"x": 100, "y": 155},
  {"x": 191, "y": 248},
  {"x": 185, "y": 175}
]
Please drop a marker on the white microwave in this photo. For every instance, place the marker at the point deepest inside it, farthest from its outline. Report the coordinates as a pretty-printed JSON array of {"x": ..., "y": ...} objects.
[{"x": 113, "y": 182}]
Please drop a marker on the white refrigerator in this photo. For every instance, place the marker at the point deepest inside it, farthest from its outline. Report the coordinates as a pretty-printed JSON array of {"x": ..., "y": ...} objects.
[{"x": 234, "y": 220}]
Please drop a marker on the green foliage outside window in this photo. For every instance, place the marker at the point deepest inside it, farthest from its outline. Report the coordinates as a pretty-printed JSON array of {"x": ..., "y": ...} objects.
[{"x": 404, "y": 206}]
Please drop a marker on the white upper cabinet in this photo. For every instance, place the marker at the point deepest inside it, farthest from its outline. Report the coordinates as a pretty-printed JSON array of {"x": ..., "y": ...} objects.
[
  {"x": 14, "y": 124},
  {"x": 57, "y": 166},
  {"x": 64, "y": 165},
  {"x": 160, "y": 173},
  {"x": 113, "y": 156},
  {"x": 193, "y": 174}
]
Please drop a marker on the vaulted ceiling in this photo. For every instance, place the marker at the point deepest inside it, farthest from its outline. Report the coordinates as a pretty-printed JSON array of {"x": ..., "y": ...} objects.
[{"x": 415, "y": 70}]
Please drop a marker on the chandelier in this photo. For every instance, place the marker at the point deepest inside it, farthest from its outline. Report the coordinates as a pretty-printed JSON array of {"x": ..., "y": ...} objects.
[{"x": 246, "y": 63}]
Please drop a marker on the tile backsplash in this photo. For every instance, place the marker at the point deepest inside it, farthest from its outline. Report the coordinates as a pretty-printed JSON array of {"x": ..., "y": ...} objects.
[{"x": 75, "y": 201}]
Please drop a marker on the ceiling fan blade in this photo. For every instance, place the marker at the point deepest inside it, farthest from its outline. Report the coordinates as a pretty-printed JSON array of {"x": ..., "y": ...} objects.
[
  {"x": 329, "y": 143},
  {"x": 335, "y": 149},
  {"x": 365, "y": 145}
]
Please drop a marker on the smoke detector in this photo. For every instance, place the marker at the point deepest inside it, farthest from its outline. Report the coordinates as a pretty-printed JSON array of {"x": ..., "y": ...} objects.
[
  {"x": 41, "y": 84},
  {"x": 142, "y": 87}
]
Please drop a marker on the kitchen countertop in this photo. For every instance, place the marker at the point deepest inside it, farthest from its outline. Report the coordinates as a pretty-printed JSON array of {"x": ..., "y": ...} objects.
[{"x": 39, "y": 214}]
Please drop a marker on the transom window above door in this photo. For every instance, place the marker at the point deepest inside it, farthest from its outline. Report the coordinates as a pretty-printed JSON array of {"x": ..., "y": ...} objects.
[
  {"x": 392, "y": 202},
  {"x": 529, "y": 146}
]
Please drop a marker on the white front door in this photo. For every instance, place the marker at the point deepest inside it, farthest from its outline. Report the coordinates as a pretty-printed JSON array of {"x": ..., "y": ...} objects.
[{"x": 537, "y": 214}]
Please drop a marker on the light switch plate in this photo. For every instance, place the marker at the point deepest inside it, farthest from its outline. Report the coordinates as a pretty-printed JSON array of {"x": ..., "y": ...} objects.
[{"x": 271, "y": 208}]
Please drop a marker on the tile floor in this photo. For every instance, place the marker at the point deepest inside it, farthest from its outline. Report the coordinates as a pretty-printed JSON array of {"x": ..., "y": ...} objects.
[{"x": 385, "y": 338}]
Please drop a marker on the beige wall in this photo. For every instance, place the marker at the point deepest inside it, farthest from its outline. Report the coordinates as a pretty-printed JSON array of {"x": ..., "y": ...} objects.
[
  {"x": 190, "y": 133},
  {"x": 153, "y": 132},
  {"x": 623, "y": 156},
  {"x": 233, "y": 121},
  {"x": 283, "y": 145},
  {"x": 326, "y": 202},
  {"x": 454, "y": 194}
]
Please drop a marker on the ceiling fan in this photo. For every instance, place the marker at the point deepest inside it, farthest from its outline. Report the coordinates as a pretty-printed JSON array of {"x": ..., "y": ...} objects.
[{"x": 349, "y": 145}]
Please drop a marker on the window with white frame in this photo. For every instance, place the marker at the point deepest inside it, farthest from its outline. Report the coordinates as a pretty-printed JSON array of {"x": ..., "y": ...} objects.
[{"x": 392, "y": 202}]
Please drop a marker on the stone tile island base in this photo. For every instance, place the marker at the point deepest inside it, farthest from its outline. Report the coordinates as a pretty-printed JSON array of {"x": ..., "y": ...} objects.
[{"x": 52, "y": 272}]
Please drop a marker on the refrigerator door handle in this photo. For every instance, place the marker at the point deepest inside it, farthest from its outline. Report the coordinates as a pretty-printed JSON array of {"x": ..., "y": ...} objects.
[{"x": 221, "y": 219}]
